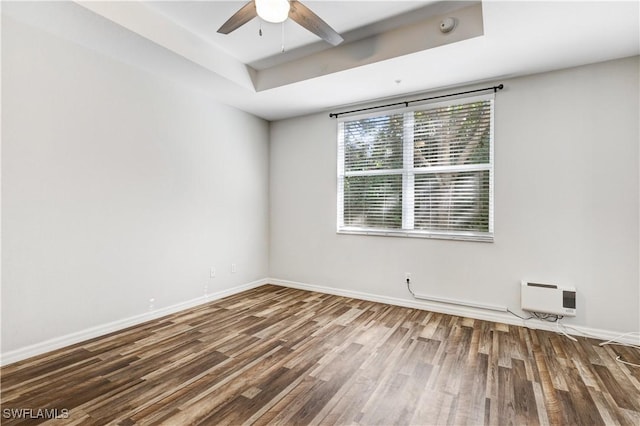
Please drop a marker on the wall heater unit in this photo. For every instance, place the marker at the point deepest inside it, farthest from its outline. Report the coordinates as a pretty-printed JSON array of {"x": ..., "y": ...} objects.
[{"x": 548, "y": 299}]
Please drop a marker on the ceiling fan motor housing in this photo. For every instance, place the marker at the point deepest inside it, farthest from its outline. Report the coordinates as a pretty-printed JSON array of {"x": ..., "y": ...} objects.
[{"x": 274, "y": 11}]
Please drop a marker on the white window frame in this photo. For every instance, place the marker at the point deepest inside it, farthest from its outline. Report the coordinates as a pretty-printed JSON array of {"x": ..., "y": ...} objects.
[{"x": 408, "y": 173}]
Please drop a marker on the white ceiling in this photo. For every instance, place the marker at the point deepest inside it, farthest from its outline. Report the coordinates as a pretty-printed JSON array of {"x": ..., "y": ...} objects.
[{"x": 178, "y": 41}]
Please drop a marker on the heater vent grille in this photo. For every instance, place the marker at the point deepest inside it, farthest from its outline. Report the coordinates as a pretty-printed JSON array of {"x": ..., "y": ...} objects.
[{"x": 548, "y": 299}]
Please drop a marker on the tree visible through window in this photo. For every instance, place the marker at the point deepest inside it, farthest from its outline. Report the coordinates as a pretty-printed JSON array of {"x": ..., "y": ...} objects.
[{"x": 425, "y": 171}]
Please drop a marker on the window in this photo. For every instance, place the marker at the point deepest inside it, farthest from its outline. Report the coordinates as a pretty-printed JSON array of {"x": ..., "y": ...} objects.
[{"x": 425, "y": 171}]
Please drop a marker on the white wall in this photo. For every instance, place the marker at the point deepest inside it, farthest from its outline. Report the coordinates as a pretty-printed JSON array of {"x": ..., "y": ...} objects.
[
  {"x": 566, "y": 204},
  {"x": 117, "y": 187}
]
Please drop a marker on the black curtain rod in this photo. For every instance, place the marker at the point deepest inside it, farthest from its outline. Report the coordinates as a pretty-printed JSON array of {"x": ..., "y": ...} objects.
[{"x": 406, "y": 103}]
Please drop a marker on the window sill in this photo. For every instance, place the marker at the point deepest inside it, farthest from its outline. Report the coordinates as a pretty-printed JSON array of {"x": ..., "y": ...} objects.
[{"x": 458, "y": 236}]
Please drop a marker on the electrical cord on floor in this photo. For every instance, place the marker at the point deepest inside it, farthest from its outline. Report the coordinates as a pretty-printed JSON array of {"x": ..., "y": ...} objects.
[
  {"x": 561, "y": 330},
  {"x": 619, "y": 359},
  {"x": 630, "y": 345},
  {"x": 613, "y": 341}
]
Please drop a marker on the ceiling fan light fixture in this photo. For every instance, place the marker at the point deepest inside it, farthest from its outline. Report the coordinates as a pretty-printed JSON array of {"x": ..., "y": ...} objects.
[{"x": 274, "y": 11}]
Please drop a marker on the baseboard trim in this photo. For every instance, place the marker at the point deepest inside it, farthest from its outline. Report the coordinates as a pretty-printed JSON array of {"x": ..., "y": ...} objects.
[
  {"x": 459, "y": 310},
  {"x": 100, "y": 330}
]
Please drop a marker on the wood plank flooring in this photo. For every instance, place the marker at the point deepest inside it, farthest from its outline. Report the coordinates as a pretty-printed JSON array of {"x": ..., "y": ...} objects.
[{"x": 275, "y": 355}]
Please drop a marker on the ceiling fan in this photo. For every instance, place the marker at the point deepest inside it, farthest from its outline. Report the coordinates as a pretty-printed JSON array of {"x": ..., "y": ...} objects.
[{"x": 277, "y": 11}]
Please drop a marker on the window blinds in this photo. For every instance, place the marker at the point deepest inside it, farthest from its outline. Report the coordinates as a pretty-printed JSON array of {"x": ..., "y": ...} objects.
[{"x": 425, "y": 171}]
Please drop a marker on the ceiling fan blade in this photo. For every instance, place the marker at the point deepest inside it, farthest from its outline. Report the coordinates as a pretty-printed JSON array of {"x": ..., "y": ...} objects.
[
  {"x": 238, "y": 19},
  {"x": 312, "y": 22}
]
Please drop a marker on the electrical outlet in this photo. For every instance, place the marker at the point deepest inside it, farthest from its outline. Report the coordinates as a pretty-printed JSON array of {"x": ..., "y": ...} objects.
[
  {"x": 151, "y": 303},
  {"x": 407, "y": 276},
  {"x": 212, "y": 273},
  {"x": 234, "y": 268}
]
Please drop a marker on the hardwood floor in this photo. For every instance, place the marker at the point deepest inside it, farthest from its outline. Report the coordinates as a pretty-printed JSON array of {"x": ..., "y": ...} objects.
[{"x": 275, "y": 355}]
